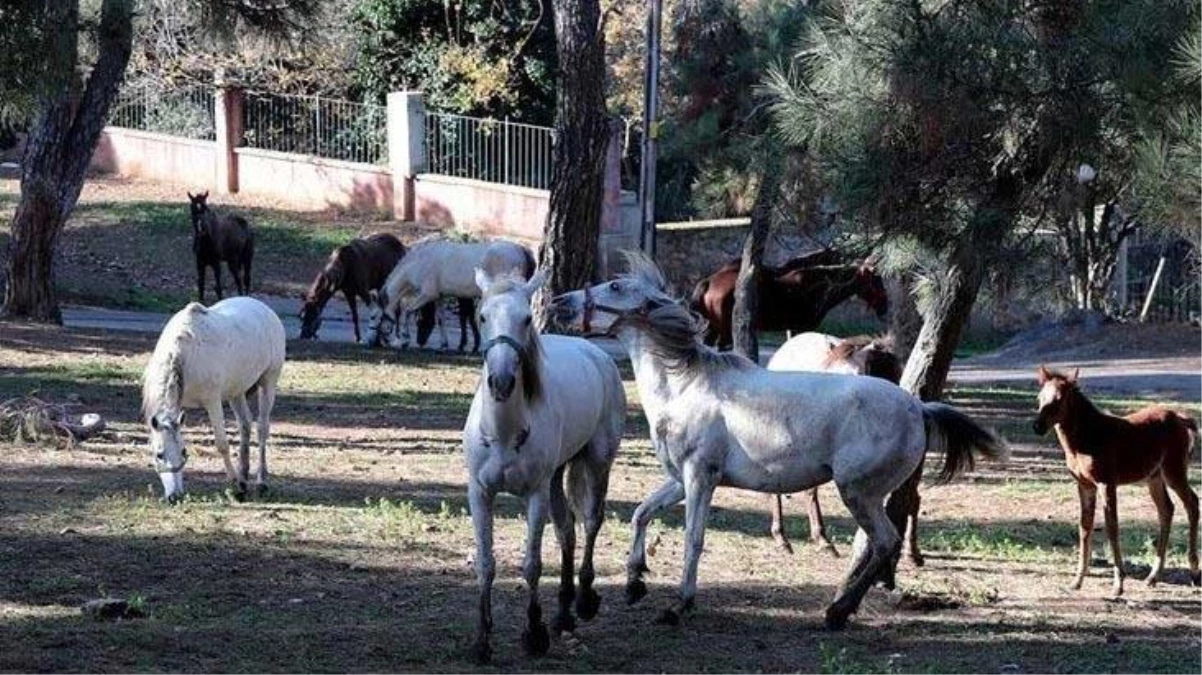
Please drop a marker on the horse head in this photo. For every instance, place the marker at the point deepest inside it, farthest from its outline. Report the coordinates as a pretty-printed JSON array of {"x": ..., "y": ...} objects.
[
  {"x": 1057, "y": 397},
  {"x": 511, "y": 347},
  {"x": 199, "y": 206},
  {"x": 168, "y": 453},
  {"x": 870, "y": 287},
  {"x": 600, "y": 308},
  {"x": 324, "y": 285}
]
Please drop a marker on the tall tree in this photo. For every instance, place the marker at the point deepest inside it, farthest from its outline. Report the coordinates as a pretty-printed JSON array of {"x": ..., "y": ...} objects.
[
  {"x": 747, "y": 299},
  {"x": 952, "y": 123},
  {"x": 569, "y": 249},
  {"x": 68, "y": 112}
]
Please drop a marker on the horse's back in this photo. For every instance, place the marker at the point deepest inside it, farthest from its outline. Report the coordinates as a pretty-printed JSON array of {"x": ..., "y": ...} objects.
[
  {"x": 807, "y": 351},
  {"x": 250, "y": 328},
  {"x": 584, "y": 384}
]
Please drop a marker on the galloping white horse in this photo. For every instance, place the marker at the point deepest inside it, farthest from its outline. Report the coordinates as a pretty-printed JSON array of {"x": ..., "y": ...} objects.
[
  {"x": 546, "y": 408},
  {"x": 718, "y": 419},
  {"x": 203, "y": 357},
  {"x": 434, "y": 268}
]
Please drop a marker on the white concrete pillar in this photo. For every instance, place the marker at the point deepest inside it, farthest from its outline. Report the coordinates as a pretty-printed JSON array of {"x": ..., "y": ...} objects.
[{"x": 406, "y": 149}]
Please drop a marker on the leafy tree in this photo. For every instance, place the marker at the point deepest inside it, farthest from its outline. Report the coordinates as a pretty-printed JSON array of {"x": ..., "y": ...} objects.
[
  {"x": 494, "y": 59},
  {"x": 955, "y": 123},
  {"x": 64, "y": 77}
]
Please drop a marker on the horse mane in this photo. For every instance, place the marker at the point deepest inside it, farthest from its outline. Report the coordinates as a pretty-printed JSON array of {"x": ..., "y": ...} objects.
[
  {"x": 671, "y": 328},
  {"x": 532, "y": 360},
  {"x": 163, "y": 379}
]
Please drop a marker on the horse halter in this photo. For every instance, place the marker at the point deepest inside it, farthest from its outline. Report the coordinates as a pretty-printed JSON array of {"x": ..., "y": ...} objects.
[
  {"x": 508, "y": 342},
  {"x": 591, "y": 306}
]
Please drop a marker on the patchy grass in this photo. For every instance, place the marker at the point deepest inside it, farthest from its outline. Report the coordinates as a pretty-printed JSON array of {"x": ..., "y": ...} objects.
[{"x": 359, "y": 558}]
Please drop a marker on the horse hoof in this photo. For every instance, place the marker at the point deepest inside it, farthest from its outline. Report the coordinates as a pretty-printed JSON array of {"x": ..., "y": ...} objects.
[
  {"x": 668, "y": 617},
  {"x": 563, "y": 623},
  {"x": 261, "y": 489},
  {"x": 535, "y": 640},
  {"x": 835, "y": 620},
  {"x": 635, "y": 590},
  {"x": 916, "y": 559},
  {"x": 482, "y": 652},
  {"x": 237, "y": 492},
  {"x": 785, "y": 546},
  {"x": 587, "y": 603},
  {"x": 1195, "y": 578},
  {"x": 829, "y": 549}
]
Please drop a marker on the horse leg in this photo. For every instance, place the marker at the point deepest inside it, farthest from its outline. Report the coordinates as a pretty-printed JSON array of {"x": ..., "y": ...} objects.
[
  {"x": 883, "y": 543},
  {"x": 669, "y": 493},
  {"x": 1110, "y": 509},
  {"x": 217, "y": 279},
  {"x": 200, "y": 281},
  {"x": 1088, "y": 495},
  {"x": 565, "y": 534},
  {"x": 233, "y": 266},
  {"x": 471, "y": 317},
  {"x": 914, "y": 501},
  {"x": 699, "y": 484},
  {"x": 217, "y": 421},
  {"x": 588, "y": 483},
  {"x": 247, "y": 258},
  {"x": 1164, "y": 514},
  {"x": 1176, "y": 477},
  {"x": 242, "y": 414},
  {"x": 354, "y": 305},
  {"x": 535, "y": 639},
  {"x": 818, "y": 523},
  {"x": 267, "y": 386},
  {"x": 776, "y": 506},
  {"x": 440, "y": 312},
  {"x": 480, "y": 503}
]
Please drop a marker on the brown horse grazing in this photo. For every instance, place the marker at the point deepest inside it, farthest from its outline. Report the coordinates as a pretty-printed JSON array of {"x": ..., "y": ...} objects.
[
  {"x": 860, "y": 355},
  {"x": 1153, "y": 445},
  {"x": 216, "y": 239},
  {"x": 795, "y": 296},
  {"x": 356, "y": 269}
]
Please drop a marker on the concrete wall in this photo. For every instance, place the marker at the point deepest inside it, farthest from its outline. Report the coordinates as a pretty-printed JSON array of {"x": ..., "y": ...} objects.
[
  {"x": 314, "y": 183},
  {"x": 142, "y": 154},
  {"x": 479, "y": 207}
]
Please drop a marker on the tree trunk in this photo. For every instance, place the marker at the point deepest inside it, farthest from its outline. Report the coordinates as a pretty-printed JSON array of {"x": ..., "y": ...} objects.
[
  {"x": 904, "y": 320},
  {"x": 929, "y": 362},
  {"x": 569, "y": 250},
  {"x": 60, "y": 146},
  {"x": 743, "y": 319}
]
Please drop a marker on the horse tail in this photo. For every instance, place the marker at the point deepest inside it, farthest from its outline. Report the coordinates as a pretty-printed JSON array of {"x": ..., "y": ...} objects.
[
  {"x": 958, "y": 436},
  {"x": 1191, "y": 428}
]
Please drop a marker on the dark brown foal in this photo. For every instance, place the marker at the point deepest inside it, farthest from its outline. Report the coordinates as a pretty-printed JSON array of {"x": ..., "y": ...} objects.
[{"x": 1152, "y": 445}]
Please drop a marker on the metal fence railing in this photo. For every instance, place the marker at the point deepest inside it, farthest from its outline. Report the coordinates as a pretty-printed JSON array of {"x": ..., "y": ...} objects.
[
  {"x": 313, "y": 125},
  {"x": 1178, "y": 296},
  {"x": 186, "y": 112},
  {"x": 491, "y": 150}
]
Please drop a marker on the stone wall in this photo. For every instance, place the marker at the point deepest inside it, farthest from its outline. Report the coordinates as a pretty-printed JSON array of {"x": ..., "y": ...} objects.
[{"x": 689, "y": 252}]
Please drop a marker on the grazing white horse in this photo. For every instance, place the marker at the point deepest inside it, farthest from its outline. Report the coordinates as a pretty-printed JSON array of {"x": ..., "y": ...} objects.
[
  {"x": 547, "y": 408},
  {"x": 718, "y": 419},
  {"x": 434, "y": 268},
  {"x": 203, "y": 357}
]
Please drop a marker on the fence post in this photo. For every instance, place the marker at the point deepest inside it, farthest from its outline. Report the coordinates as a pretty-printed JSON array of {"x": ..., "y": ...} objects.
[
  {"x": 406, "y": 149},
  {"x": 227, "y": 122}
]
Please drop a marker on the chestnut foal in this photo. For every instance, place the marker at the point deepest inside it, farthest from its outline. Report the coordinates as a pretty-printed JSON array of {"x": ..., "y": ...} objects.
[{"x": 1152, "y": 445}]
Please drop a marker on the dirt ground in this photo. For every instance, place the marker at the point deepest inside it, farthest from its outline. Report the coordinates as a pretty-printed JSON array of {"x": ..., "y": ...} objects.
[{"x": 359, "y": 559}]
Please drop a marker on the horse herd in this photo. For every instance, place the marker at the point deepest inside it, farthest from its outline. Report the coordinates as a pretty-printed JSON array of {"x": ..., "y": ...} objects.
[{"x": 547, "y": 417}]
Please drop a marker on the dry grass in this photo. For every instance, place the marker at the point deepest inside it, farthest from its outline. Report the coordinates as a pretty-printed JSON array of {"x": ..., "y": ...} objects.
[{"x": 359, "y": 560}]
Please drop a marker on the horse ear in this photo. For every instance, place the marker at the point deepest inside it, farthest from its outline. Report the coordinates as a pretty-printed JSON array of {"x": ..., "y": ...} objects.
[
  {"x": 483, "y": 281},
  {"x": 203, "y": 196},
  {"x": 1072, "y": 379},
  {"x": 1042, "y": 375},
  {"x": 536, "y": 281},
  {"x": 191, "y": 198}
]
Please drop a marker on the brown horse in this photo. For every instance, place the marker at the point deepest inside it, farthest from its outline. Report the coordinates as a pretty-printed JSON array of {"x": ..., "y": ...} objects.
[
  {"x": 217, "y": 239},
  {"x": 795, "y": 296},
  {"x": 860, "y": 355},
  {"x": 356, "y": 269},
  {"x": 1152, "y": 445}
]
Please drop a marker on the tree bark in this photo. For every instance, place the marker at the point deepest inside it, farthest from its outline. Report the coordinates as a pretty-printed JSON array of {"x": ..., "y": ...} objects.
[
  {"x": 569, "y": 250},
  {"x": 904, "y": 320},
  {"x": 929, "y": 362},
  {"x": 64, "y": 135},
  {"x": 743, "y": 318}
]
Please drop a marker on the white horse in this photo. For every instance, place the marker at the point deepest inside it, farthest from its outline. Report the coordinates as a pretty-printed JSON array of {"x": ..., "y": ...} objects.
[
  {"x": 434, "y": 268},
  {"x": 546, "y": 408},
  {"x": 718, "y": 419},
  {"x": 203, "y": 357},
  {"x": 860, "y": 355}
]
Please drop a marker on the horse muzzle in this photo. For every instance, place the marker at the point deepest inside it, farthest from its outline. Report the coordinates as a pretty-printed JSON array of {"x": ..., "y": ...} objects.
[
  {"x": 173, "y": 485},
  {"x": 501, "y": 386},
  {"x": 1039, "y": 426}
]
